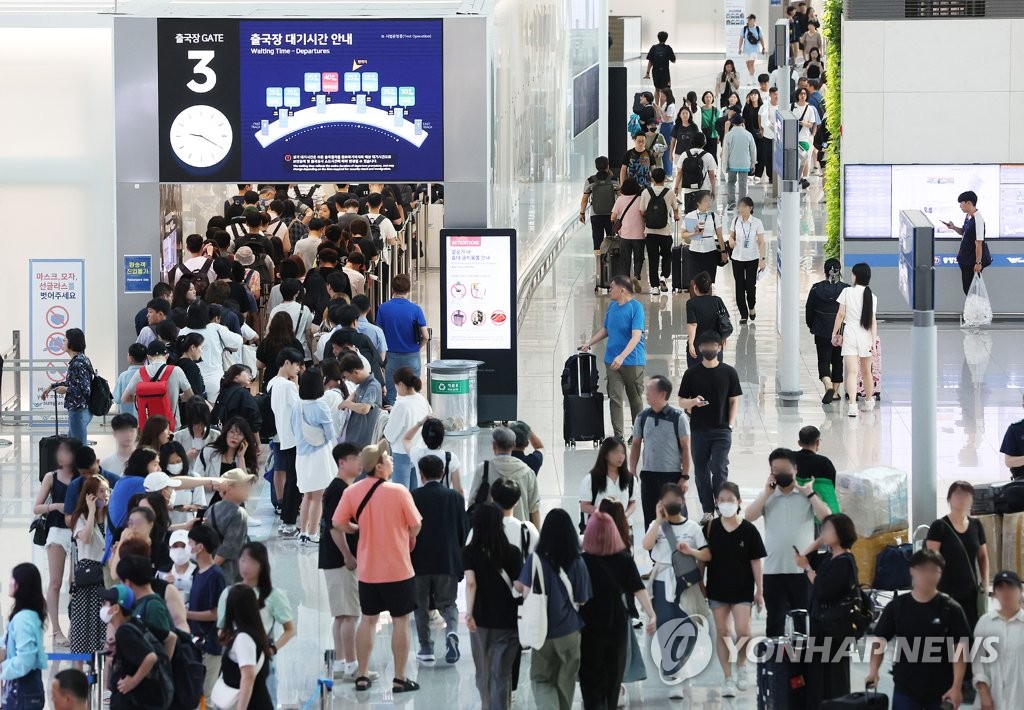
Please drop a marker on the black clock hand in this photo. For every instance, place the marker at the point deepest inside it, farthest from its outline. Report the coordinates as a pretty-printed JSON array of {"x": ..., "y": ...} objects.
[{"x": 200, "y": 135}]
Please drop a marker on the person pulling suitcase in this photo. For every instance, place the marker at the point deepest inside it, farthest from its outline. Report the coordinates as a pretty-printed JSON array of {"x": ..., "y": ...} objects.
[{"x": 599, "y": 193}]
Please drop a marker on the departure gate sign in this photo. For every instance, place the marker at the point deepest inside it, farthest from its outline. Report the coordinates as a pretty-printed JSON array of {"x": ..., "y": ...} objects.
[{"x": 300, "y": 100}]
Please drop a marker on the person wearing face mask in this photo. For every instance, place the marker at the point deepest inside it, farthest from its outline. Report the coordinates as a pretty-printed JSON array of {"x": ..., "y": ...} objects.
[
  {"x": 184, "y": 504},
  {"x": 679, "y": 550},
  {"x": 182, "y": 566},
  {"x": 207, "y": 586},
  {"x": 134, "y": 655},
  {"x": 821, "y": 310},
  {"x": 789, "y": 510},
  {"x": 710, "y": 393},
  {"x": 734, "y": 583},
  {"x": 86, "y": 523}
]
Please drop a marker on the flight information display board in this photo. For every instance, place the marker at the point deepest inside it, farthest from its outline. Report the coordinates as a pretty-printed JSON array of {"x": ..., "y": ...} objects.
[{"x": 300, "y": 100}]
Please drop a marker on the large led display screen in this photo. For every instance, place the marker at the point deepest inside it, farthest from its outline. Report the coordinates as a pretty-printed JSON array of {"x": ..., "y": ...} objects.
[
  {"x": 300, "y": 100},
  {"x": 874, "y": 195}
]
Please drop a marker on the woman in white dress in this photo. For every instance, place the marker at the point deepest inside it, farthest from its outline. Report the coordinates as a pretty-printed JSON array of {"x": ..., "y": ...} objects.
[
  {"x": 313, "y": 428},
  {"x": 217, "y": 340},
  {"x": 856, "y": 329}
]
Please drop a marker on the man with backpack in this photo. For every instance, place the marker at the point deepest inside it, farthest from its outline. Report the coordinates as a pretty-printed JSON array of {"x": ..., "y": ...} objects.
[
  {"x": 599, "y": 193},
  {"x": 659, "y": 208},
  {"x": 278, "y": 227},
  {"x": 751, "y": 43},
  {"x": 139, "y": 666},
  {"x": 740, "y": 157},
  {"x": 660, "y": 448},
  {"x": 157, "y": 387},
  {"x": 659, "y": 57},
  {"x": 695, "y": 172},
  {"x": 505, "y": 466},
  {"x": 196, "y": 267},
  {"x": 382, "y": 230}
]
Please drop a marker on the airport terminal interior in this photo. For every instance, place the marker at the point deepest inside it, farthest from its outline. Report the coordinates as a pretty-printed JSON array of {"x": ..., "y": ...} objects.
[{"x": 152, "y": 113}]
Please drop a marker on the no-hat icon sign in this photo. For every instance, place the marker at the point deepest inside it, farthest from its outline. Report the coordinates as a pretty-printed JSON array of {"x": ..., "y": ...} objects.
[
  {"x": 57, "y": 317},
  {"x": 55, "y": 343}
]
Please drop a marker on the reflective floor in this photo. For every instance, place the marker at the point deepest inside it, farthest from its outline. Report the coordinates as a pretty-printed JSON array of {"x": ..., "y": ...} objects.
[{"x": 980, "y": 379}]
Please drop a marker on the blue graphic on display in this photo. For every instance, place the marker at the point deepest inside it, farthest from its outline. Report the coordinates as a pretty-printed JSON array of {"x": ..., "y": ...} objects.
[{"x": 342, "y": 100}]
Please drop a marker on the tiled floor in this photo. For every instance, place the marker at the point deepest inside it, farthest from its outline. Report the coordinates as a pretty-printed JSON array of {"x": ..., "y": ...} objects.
[{"x": 980, "y": 376}]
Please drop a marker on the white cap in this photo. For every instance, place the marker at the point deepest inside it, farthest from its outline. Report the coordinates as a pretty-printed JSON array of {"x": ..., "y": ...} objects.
[
  {"x": 159, "y": 481},
  {"x": 179, "y": 536}
]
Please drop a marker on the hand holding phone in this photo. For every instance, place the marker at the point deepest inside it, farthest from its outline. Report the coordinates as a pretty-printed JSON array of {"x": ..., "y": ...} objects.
[{"x": 701, "y": 402}]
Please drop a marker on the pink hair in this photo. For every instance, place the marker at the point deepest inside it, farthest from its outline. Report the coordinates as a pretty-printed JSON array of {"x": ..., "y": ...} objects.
[{"x": 602, "y": 536}]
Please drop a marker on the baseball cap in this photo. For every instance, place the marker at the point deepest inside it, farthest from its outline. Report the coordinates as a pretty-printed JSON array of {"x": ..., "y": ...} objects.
[
  {"x": 244, "y": 256},
  {"x": 179, "y": 536},
  {"x": 121, "y": 595},
  {"x": 372, "y": 455},
  {"x": 159, "y": 481},
  {"x": 157, "y": 347},
  {"x": 237, "y": 475},
  {"x": 1006, "y": 576}
]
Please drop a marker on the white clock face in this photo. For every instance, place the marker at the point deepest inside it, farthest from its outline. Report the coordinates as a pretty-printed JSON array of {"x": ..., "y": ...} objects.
[{"x": 201, "y": 136}]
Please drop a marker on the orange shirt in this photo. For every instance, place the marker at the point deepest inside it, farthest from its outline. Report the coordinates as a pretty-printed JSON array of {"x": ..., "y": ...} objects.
[{"x": 384, "y": 541}]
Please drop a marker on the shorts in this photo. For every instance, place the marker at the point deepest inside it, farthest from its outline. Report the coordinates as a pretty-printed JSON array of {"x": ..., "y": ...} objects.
[
  {"x": 278, "y": 457},
  {"x": 396, "y": 598},
  {"x": 342, "y": 591},
  {"x": 719, "y": 605},
  {"x": 750, "y": 51},
  {"x": 60, "y": 537},
  {"x": 856, "y": 341}
]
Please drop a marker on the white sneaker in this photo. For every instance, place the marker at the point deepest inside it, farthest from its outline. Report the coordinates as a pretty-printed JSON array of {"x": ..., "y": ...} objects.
[
  {"x": 851, "y": 410},
  {"x": 742, "y": 678},
  {"x": 311, "y": 540},
  {"x": 288, "y": 531},
  {"x": 729, "y": 690}
]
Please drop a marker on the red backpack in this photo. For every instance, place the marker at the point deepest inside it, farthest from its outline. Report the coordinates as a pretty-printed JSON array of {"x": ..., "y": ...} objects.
[{"x": 151, "y": 395}]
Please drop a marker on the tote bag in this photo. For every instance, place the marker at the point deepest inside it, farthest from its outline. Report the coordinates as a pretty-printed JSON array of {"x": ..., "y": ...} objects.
[{"x": 533, "y": 612}]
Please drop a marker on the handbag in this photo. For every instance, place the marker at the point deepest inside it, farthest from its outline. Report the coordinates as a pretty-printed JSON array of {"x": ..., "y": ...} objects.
[
  {"x": 533, "y": 612},
  {"x": 724, "y": 324},
  {"x": 837, "y": 339},
  {"x": 850, "y": 616},
  {"x": 617, "y": 225},
  {"x": 635, "y": 669},
  {"x": 40, "y": 528},
  {"x": 87, "y": 573},
  {"x": 981, "y": 593},
  {"x": 684, "y": 566}
]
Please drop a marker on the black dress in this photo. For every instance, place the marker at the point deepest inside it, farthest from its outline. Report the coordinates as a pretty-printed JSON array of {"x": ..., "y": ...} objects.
[{"x": 829, "y": 678}]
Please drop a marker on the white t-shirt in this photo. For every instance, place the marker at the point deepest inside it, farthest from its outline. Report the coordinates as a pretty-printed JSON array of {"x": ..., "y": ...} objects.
[
  {"x": 708, "y": 242},
  {"x": 853, "y": 299},
  {"x": 514, "y": 534},
  {"x": 418, "y": 452},
  {"x": 979, "y": 227},
  {"x": 686, "y": 531},
  {"x": 332, "y": 398},
  {"x": 113, "y": 464},
  {"x": 92, "y": 550},
  {"x": 611, "y": 492},
  {"x": 746, "y": 238},
  {"x": 306, "y": 248},
  {"x": 284, "y": 395},
  {"x": 243, "y": 652},
  {"x": 407, "y": 411},
  {"x": 670, "y": 202},
  {"x": 356, "y": 281},
  {"x": 302, "y": 319},
  {"x": 709, "y": 166}
]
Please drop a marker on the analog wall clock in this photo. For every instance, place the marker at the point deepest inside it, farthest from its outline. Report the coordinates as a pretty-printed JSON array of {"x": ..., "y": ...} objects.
[{"x": 201, "y": 136}]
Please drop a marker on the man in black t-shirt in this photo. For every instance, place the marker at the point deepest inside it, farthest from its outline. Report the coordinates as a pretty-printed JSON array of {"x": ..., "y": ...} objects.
[
  {"x": 930, "y": 631},
  {"x": 710, "y": 394},
  {"x": 658, "y": 58},
  {"x": 809, "y": 462},
  {"x": 1012, "y": 449},
  {"x": 338, "y": 561}
]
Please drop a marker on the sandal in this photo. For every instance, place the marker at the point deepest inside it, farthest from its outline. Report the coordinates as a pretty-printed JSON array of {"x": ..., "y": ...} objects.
[
  {"x": 830, "y": 394},
  {"x": 362, "y": 683},
  {"x": 404, "y": 686}
]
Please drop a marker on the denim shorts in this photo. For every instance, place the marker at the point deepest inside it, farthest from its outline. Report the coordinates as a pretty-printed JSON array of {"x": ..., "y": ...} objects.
[
  {"x": 718, "y": 605},
  {"x": 277, "y": 457}
]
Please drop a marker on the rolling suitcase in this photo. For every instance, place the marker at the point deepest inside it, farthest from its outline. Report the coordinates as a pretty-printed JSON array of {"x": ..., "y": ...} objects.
[
  {"x": 781, "y": 680},
  {"x": 869, "y": 700},
  {"x": 583, "y": 418},
  {"x": 682, "y": 268},
  {"x": 48, "y": 446}
]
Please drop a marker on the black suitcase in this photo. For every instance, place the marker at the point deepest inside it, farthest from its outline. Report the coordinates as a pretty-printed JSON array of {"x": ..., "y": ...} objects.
[
  {"x": 48, "y": 445},
  {"x": 984, "y": 502},
  {"x": 682, "y": 268},
  {"x": 781, "y": 671},
  {"x": 583, "y": 418},
  {"x": 1009, "y": 497},
  {"x": 870, "y": 700}
]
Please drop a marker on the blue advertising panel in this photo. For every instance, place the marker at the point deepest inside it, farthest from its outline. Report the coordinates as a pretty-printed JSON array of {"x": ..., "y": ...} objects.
[
  {"x": 300, "y": 100},
  {"x": 138, "y": 273}
]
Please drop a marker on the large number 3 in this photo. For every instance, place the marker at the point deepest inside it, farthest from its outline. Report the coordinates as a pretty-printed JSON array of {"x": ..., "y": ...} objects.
[{"x": 203, "y": 58}]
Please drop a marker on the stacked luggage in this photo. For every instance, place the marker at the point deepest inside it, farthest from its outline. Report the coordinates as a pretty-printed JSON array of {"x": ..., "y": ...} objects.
[
  {"x": 582, "y": 404},
  {"x": 999, "y": 508}
]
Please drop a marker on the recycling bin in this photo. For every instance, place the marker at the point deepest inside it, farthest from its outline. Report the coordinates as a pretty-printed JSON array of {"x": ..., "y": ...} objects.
[{"x": 453, "y": 394}]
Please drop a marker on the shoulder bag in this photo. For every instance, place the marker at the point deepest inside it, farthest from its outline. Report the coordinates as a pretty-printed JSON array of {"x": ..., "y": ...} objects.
[
  {"x": 533, "y": 612},
  {"x": 684, "y": 566},
  {"x": 850, "y": 616},
  {"x": 724, "y": 323}
]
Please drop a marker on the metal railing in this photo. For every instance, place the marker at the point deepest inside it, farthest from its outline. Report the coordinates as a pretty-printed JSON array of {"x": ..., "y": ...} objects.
[
  {"x": 12, "y": 367},
  {"x": 400, "y": 261},
  {"x": 92, "y": 667}
]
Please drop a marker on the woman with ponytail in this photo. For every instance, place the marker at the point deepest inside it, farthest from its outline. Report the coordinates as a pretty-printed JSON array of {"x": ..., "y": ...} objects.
[
  {"x": 821, "y": 310},
  {"x": 856, "y": 330}
]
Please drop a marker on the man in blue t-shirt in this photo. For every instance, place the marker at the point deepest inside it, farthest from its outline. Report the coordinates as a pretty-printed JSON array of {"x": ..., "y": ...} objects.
[
  {"x": 207, "y": 585},
  {"x": 625, "y": 354},
  {"x": 405, "y": 330},
  {"x": 88, "y": 466}
]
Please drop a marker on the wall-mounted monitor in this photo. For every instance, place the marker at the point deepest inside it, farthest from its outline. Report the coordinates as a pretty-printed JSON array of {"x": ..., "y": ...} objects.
[
  {"x": 290, "y": 101},
  {"x": 586, "y": 99},
  {"x": 873, "y": 196}
]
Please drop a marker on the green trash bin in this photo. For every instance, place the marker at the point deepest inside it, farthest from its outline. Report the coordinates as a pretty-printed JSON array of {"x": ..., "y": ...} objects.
[{"x": 453, "y": 394}]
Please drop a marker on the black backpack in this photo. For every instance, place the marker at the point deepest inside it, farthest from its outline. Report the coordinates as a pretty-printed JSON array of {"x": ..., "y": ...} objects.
[
  {"x": 159, "y": 691},
  {"x": 268, "y": 427},
  {"x": 378, "y": 240},
  {"x": 200, "y": 278},
  {"x": 693, "y": 169},
  {"x": 657, "y": 209},
  {"x": 483, "y": 493},
  {"x": 100, "y": 397},
  {"x": 188, "y": 671},
  {"x": 306, "y": 199}
]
